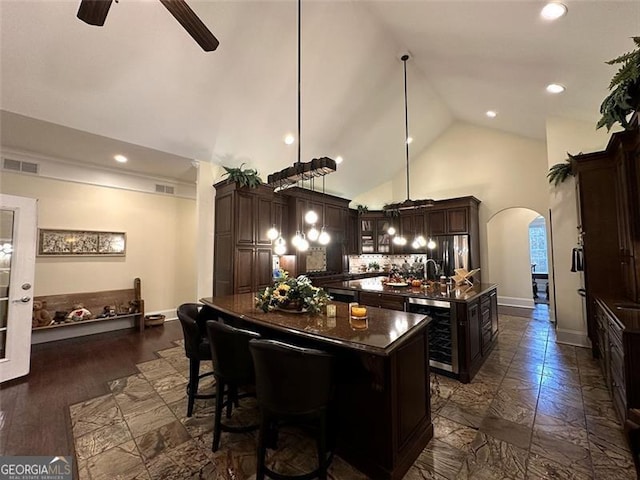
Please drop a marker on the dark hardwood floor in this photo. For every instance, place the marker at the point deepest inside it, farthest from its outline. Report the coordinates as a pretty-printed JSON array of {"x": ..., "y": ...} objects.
[{"x": 34, "y": 413}]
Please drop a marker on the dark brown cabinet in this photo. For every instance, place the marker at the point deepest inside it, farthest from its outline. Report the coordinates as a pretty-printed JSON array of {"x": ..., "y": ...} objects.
[
  {"x": 390, "y": 302},
  {"x": 242, "y": 251},
  {"x": 437, "y": 223},
  {"x": 619, "y": 354},
  {"x": 607, "y": 188},
  {"x": 454, "y": 220},
  {"x": 374, "y": 233}
]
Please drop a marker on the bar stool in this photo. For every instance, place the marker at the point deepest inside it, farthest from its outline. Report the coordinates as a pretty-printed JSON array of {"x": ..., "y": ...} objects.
[
  {"x": 233, "y": 369},
  {"x": 294, "y": 385},
  {"x": 196, "y": 346}
]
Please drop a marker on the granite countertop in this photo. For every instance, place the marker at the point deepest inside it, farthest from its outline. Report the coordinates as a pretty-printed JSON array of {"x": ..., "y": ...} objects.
[
  {"x": 463, "y": 293},
  {"x": 628, "y": 315},
  {"x": 381, "y": 333}
]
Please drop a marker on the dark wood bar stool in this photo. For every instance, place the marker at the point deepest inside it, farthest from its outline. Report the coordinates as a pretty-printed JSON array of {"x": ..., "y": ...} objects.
[
  {"x": 233, "y": 369},
  {"x": 192, "y": 318},
  {"x": 294, "y": 386}
]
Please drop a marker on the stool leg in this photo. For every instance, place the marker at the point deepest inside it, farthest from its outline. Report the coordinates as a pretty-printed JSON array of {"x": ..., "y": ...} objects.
[
  {"x": 262, "y": 446},
  {"x": 217, "y": 419},
  {"x": 192, "y": 388},
  {"x": 322, "y": 447}
]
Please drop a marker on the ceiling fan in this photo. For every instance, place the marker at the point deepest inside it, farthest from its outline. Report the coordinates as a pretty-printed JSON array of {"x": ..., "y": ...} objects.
[{"x": 94, "y": 12}]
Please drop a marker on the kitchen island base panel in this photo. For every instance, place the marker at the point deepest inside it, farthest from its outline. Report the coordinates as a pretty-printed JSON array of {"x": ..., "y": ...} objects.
[{"x": 382, "y": 397}]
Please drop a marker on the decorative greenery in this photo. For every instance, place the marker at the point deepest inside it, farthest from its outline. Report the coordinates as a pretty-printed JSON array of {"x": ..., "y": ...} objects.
[
  {"x": 244, "y": 178},
  {"x": 290, "y": 293},
  {"x": 374, "y": 266},
  {"x": 362, "y": 209},
  {"x": 391, "y": 212},
  {"x": 559, "y": 172},
  {"x": 625, "y": 90}
]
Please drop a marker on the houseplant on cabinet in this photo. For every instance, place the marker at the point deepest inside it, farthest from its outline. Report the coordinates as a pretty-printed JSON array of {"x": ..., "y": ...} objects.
[
  {"x": 243, "y": 177},
  {"x": 624, "y": 98}
]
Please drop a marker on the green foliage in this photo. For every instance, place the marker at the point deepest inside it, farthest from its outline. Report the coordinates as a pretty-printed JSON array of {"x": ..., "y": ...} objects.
[
  {"x": 559, "y": 172},
  {"x": 625, "y": 90},
  {"x": 244, "y": 178},
  {"x": 297, "y": 292},
  {"x": 391, "y": 212},
  {"x": 362, "y": 209},
  {"x": 374, "y": 266}
]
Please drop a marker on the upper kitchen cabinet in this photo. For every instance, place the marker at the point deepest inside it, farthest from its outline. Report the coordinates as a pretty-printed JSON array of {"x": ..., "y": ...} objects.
[
  {"x": 333, "y": 213},
  {"x": 241, "y": 247},
  {"x": 374, "y": 233},
  {"x": 608, "y": 192},
  {"x": 453, "y": 217}
]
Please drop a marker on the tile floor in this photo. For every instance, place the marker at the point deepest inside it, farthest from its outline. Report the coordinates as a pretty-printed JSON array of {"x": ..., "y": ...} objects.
[{"x": 536, "y": 410}]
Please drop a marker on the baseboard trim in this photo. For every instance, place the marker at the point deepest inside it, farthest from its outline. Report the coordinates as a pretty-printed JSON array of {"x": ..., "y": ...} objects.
[
  {"x": 170, "y": 314},
  {"x": 516, "y": 302},
  {"x": 577, "y": 338}
]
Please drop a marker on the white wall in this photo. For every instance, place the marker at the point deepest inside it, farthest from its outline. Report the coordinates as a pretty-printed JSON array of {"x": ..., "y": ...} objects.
[
  {"x": 501, "y": 169},
  {"x": 207, "y": 174},
  {"x": 161, "y": 244},
  {"x": 376, "y": 198},
  {"x": 509, "y": 261},
  {"x": 564, "y": 135}
]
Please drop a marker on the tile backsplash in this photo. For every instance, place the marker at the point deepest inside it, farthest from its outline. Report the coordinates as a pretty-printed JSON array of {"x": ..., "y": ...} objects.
[{"x": 360, "y": 263}]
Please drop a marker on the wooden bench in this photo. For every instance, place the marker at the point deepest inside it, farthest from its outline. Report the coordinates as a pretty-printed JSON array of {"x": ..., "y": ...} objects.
[{"x": 124, "y": 304}]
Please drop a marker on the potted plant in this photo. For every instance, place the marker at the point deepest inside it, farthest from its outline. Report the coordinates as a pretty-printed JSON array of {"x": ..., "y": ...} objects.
[
  {"x": 625, "y": 90},
  {"x": 559, "y": 172},
  {"x": 374, "y": 266},
  {"x": 244, "y": 178},
  {"x": 292, "y": 294}
]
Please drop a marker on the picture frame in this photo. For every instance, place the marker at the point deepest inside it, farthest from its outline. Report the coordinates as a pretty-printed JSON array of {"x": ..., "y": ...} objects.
[{"x": 76, "y": 243}]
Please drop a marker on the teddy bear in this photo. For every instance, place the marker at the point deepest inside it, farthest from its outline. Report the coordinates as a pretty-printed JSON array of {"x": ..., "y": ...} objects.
[
  {"x": 78, "y": 313},
  {"x": 40, "y": 317}
]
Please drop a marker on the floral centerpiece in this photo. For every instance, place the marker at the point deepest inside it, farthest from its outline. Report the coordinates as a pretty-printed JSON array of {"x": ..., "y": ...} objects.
[{"x": 294, "y": 294}]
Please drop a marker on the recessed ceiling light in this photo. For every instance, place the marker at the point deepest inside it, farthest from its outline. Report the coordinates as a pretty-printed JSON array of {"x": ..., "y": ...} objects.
[
  {"x": 553, "y": 11},
  {"x": 339, "y": 159},
  {"x": 120, "y": 158},
  {"x": 409, "y": 139},
  {"x": 555, "y": 88},
  {"x": 491, "y": 114},
  {"x": 289, "y": 139}
]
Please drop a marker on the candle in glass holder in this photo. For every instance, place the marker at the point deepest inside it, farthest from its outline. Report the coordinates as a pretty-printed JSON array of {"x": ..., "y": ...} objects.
[{"x": 331, "y": 310}]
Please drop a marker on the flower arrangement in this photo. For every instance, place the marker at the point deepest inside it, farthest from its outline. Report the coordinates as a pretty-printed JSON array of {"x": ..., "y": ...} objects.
[{"x": 292, "y": 293}]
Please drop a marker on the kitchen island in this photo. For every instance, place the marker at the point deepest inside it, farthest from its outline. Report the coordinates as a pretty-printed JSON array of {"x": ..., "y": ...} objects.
[
  {"x": 382, "y": 399},
  {"x": 465, "y": 318}
]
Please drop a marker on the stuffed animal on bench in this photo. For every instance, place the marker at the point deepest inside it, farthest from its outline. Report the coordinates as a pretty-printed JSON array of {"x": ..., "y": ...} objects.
[
  {"x": 40, "y": 317},
  {"x": 79, "y": 313}
]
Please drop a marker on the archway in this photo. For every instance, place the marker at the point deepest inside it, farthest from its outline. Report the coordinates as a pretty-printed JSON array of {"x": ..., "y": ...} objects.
[{"x": 509, "y": 257}]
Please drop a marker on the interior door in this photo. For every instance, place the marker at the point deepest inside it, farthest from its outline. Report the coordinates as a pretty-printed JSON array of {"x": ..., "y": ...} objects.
[{"x": 17, "y": 265}]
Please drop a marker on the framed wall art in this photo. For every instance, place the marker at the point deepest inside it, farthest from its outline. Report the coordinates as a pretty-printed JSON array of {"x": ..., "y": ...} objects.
[{"x": 80, "y": 243}]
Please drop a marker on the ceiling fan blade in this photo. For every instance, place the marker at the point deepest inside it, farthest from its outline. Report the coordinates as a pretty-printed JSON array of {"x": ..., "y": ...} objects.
[
  {"x": 192, "y": 24},
  {"x": 94, "y": 12}
]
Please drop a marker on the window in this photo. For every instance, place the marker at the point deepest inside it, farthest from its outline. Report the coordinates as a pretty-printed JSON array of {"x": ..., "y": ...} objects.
[{"x": 538, "y": 245}]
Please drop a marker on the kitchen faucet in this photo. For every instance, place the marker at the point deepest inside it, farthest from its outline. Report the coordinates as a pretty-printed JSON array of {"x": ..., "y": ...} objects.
[{"x": 435, "y": 264}]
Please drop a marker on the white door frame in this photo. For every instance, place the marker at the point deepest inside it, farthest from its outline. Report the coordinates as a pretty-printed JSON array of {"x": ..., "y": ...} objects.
[{"x": 20, "y": 304}]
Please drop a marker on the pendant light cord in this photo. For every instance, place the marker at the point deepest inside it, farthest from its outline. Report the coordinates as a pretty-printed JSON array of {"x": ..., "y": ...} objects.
[
  {"x": 299, "y": 74},
  {"x": 406, "y": 119}
]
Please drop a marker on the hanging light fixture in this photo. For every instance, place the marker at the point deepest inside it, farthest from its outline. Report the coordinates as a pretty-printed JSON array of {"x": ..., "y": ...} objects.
[
  {"x": 399, "y": 239},
  {"x": 273, "y": 233},
  {"x": 324, "y": 237}
]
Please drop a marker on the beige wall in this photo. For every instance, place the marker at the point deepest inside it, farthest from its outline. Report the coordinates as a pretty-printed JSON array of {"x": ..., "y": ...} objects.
[
  {"x": 161, "y": 245},
  {"x": 501, "y": 169},
  {"x": 510, "y": 261},
  {"x": 564, "y": 135}
]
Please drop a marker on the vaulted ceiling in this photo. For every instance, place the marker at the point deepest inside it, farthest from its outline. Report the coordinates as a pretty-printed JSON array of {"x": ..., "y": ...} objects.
[{"x": 141, "y": 82}]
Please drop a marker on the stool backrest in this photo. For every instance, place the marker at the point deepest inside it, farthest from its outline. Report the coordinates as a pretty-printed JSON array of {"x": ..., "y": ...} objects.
[
  {"x": 291, "y": 380},
  {"x": 230, "y": 352},
  {"x": 190, "y": 319}
]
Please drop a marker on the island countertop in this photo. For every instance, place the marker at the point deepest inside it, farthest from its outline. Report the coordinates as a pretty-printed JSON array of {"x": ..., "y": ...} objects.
[
  {"x": 381, "y": 333},
  {"x": 462, "y": 293}
]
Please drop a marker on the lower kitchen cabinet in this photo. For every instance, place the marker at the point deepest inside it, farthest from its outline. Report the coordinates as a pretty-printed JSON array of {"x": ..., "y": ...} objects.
[
  {"x": 391, "y": 302},
  {"x": 619, "y": 347}
]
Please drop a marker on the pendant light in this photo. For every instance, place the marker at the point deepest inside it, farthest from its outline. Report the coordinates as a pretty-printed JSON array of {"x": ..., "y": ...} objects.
[
  {"x": 311, "y": 217},
  {"x": 324, "y": 237},
  {"x": 399, "y": 239}
]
